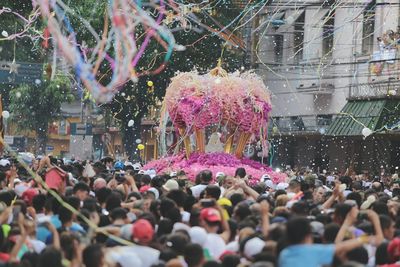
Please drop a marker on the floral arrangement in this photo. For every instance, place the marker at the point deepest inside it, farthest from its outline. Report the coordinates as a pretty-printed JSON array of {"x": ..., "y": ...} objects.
[
  {"x": 196, "y": 101},
  {"x": 215, "y": 162}
]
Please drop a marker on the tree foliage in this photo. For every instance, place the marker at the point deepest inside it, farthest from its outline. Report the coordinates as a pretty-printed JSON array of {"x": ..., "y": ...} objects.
[{"x": 33, "y": 107}]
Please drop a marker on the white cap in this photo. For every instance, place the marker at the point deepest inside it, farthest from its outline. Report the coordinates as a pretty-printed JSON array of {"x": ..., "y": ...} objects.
[
  {"x": 126, "y": 259},
  {"x": 141, "y": 171},
  {"x": 173, "y": 174},
  {"x": 136, "y": 166},
  {"x": 219, "y": 174},
  {"x": 4, "y": 162},
  {"x": 265, "y": 177},
  {"x": 198, "y": 235},
  {"x": 154, "y": 191},
  {"x": 270, "y": 184},
  {"x": 282, "y": 186},
  {"x": 253, "y": 247},
  {"x": 152, "y": 173}
]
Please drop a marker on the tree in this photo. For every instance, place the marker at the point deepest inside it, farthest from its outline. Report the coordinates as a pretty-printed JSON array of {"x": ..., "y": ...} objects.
[{"x": 33, "y": 107}]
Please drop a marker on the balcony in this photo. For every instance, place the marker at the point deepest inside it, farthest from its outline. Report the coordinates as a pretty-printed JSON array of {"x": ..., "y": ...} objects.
[
  {"x": 317, "y": 89},
  {"x": 375, "y": 90},
  {"x": 307, "y": 124}
]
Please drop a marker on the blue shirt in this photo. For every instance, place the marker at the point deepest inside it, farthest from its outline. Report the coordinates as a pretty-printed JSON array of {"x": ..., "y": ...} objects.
[{"x": 312, "y": 255}]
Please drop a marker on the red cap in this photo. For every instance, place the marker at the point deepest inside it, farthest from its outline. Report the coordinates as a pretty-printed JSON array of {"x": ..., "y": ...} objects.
[
  {"x": 29, "y": 194},
  {"x": 144, "y": 188},
  {"x": 210, "y": 215},
  {"x": 394, "y": 249},
  {"x": 142, "y": 231}
]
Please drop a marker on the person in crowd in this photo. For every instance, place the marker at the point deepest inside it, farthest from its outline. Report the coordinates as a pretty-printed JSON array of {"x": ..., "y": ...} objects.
[{"x": 113, "y": 213}]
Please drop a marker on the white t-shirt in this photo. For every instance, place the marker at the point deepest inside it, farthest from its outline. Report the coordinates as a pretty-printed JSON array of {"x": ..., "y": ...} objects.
[
  {"x": 197, "y": 189},
  {"x": 215, "y": 245},
  {"x": 148, "y": 256}
]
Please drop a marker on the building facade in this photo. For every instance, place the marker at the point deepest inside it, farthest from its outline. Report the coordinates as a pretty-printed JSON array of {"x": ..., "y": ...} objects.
[{"x": 318, "y": 58}]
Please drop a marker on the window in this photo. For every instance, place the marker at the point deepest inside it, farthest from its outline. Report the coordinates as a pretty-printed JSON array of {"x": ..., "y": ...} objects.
[
  {"x": 328, "y": 34},
  {"x": 324, "y": 120},
  {"x": 368, "y": 28},
  {"x": 298, "y": 38},
  {"x": 277, "y": 41}
]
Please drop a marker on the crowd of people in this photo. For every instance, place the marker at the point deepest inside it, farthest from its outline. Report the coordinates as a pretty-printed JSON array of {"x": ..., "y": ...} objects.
[{"x": 97, "y": 214}]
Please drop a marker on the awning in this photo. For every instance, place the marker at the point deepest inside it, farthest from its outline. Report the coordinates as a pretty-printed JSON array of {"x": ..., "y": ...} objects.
[{"x": 356, "y": 115}]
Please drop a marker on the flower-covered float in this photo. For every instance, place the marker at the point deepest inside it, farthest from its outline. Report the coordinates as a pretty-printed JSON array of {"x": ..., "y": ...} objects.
[{"x": 215, "y": 115}]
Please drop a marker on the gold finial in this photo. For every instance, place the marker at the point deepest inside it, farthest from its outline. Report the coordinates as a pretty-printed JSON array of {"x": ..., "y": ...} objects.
[{"x": 218, "y": 70}]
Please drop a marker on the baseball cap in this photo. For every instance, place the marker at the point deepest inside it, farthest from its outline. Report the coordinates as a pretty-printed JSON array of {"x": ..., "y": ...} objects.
[
  {"x": 282, "y": 186},
  {"x": 151, "y": 173},
  {"x": 253, "y": 247},
  {"x": 142, "y": 231},
  {"x": 269, "y": 184},
  {"x": 4, "y": 162},
  {"x": 173, "y": 174},
  {"x": 136, "y": 167},
  {"x": 210, "y": 215},
  {"x": 154, "y": 191},
  {"x": 219, "y": 174},
  {"x": 29, "y": 194},
  {"x": 170, "y": 185},
  {"x": 198, "y": 235},
  {"x": 394, "y": 249},
  {"x": 265, "y": 177},
  {"x": 144, "y": 188}
]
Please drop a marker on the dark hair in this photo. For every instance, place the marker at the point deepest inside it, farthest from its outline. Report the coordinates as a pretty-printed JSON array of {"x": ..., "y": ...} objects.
[
  {"x": 92, "y": 255},
  {"x": 341, "y": 211},
  {"x": 67, "y": 241},
  {"x": 359, "y": 255},
  {"x": 294, "y": 183},
  {"x": 102, "y": 194},
  {"x": 113, "y": 201},
  {"x": 381, "y": 254},
  {"x": 241, "y": 172},
  {"x": 165, "y": 227},
  {"x": 178, "y": 196},
  {"x": 380, "y": 208},
  {"x": 330, "y": 233},
  {"x": 230, "y": 260},
  {"x": 386, "y": 221},
  {"x": 357, "y": 185},
  {"x": 157, "y": 181},
  {"x": 166, "y": 205},
  {"x": 118, "y": 213},
  {"x": 74, "y": 202},
  {"x": 242, "y": 211},
  {"x": 65, "y": 215},
  {"x": 38, "y": 202},
  {"x": 396, "y": 192},
  {"x": 356, "y": 197},
  {"x": 236, "y": 198},
  {"x": 300, "y": 208},
  {"x": 136, "y": 195},
  {"x": 145, "y": 179},
  {"x": 90, "y": 204},
  {"x": 213, "y": 191},
  {"x": 50, "y": 256},
  {"x": 177, "y": 242},
  {"x": 212, "y": 263},
  {"x": 206, "y": 176},
  {"x": 193, "y": 255},
  {"x": 297, "y": 229},
  {"x": 81, "y": 186}
]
